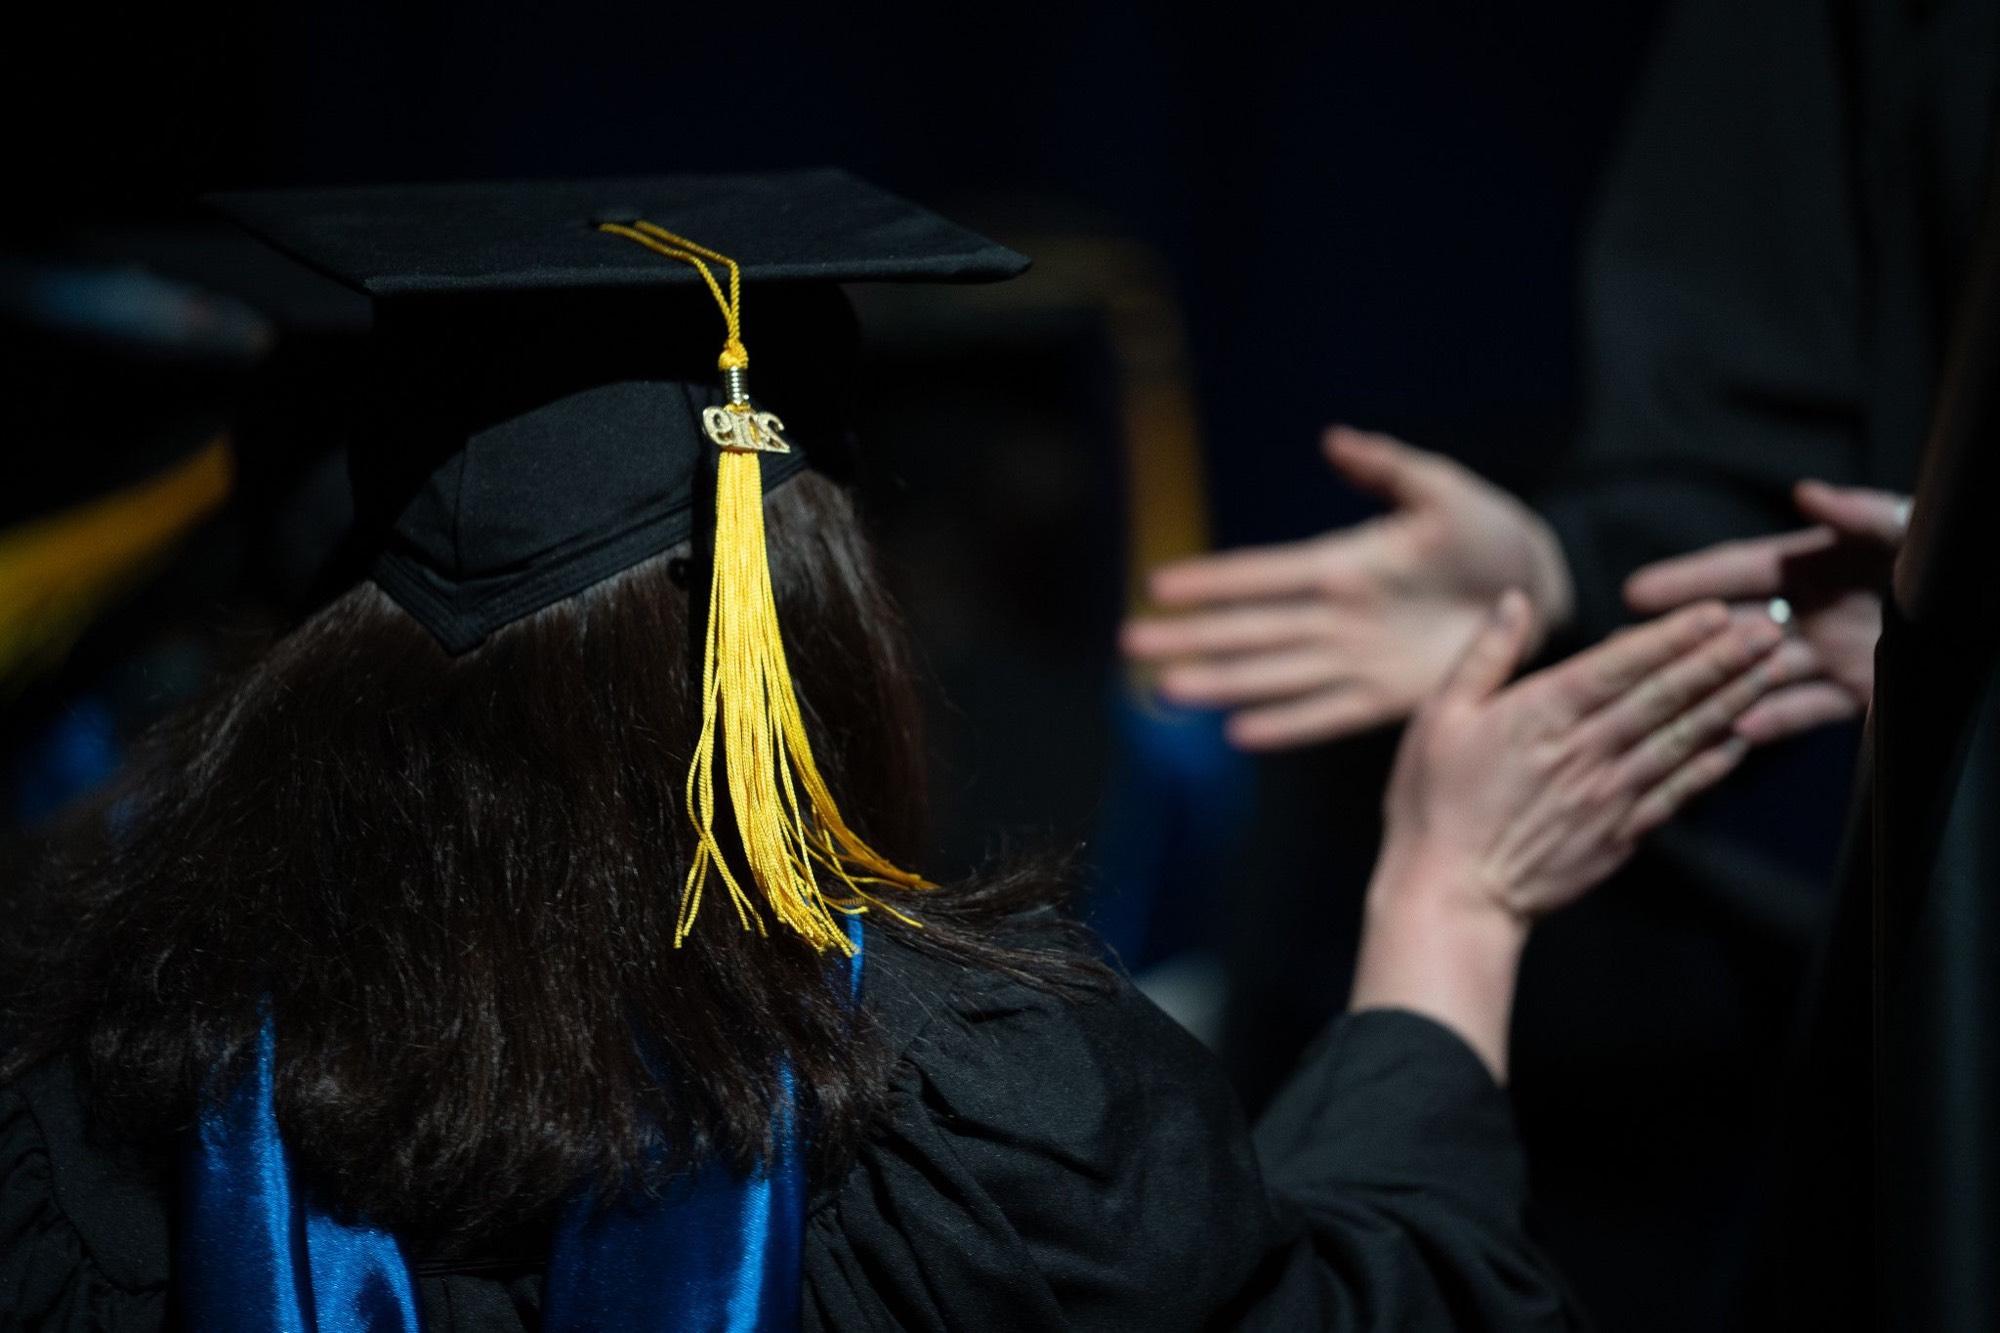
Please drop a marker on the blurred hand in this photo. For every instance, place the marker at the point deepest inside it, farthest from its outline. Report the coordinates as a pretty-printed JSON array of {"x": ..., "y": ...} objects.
[
  {"x": 1832, "y": 575},
  {"x": 1508, "y": 803},
  {"x": 1316, "y": 639}
]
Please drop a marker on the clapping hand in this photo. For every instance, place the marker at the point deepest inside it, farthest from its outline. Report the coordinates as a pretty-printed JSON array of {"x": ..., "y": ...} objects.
[
  {"x": 1312, "y": 640},
  {"x": 1511, "y": 801}
]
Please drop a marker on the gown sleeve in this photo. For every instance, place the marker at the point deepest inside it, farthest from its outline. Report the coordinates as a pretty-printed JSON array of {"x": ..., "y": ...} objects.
[
  {"x": 1055, "y": 1164},
  {"x": 51, "y": 1278}
]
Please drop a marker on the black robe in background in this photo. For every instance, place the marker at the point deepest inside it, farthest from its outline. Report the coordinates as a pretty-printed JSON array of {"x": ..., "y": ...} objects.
[
  {"x": 1044, "y": 1165},
  {"x": 1771, "y": 272},
  {"x": 1765, "y": 286}
]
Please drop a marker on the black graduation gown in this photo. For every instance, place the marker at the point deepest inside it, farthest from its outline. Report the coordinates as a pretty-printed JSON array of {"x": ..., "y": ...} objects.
[
  {"x": 1044, "y": 1164},
  {"x": 1767, "y": 283},
  {"x": 1771, "y": 271}
]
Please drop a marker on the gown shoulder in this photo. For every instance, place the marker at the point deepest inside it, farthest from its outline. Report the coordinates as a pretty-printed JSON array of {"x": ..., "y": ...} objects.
[{"x": 1053, "y": 1162}]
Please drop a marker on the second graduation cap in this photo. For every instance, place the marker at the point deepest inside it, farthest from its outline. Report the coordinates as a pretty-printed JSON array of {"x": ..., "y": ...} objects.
[{"x": 560, "y": 367}]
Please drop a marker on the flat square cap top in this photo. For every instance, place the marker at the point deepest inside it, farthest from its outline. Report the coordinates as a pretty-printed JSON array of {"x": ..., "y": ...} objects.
[{"x": 819, "y": 225}]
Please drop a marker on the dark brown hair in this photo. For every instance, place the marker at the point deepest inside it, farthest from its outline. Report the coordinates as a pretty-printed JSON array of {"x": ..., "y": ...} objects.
[{"x": 452, "y": 882}]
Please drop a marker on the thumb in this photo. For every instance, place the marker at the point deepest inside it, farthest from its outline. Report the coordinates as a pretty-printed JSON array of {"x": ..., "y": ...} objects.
[
  {"x": 1495, "y": 653},
  {"x": 1382, "y": 465}
]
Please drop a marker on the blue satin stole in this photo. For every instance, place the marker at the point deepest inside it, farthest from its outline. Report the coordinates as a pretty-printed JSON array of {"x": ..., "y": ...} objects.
[{"x": 716, "y": 1250}]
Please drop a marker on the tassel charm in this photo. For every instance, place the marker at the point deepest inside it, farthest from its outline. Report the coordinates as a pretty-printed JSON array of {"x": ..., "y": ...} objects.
[
  {"x": 740, "y": 429},
  {"x": 740, "y": 426}
]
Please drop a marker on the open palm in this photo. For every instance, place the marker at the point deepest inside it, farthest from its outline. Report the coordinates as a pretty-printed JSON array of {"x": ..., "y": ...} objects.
[{"x": 1316, "y": 639}]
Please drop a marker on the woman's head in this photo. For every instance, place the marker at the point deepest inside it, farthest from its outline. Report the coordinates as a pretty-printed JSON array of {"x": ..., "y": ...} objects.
[{"x": 452, "y": 883}]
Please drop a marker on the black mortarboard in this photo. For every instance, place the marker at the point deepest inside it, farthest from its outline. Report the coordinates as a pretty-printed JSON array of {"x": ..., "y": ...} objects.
[
  {"x": 822, "y": 225},
  {"x": 536, "y": 424},
  {"x": 549, "y": 404}
]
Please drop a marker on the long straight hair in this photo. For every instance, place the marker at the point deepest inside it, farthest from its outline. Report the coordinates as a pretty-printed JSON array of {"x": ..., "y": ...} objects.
[{"x": 451, "y": 883}]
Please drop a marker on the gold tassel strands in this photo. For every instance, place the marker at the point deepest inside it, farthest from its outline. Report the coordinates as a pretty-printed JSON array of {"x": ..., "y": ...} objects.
[{"x": 789, "y": 828}]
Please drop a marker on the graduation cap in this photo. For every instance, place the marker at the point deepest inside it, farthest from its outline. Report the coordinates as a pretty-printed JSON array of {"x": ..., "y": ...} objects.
[{"x": 563, "y": 379}]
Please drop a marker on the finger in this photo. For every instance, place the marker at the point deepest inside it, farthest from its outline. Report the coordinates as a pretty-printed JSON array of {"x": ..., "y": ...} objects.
[
  {"x": 1796, "y": 660},
  {"x": 1593, "y": 679},
  {"x": 1665, "y": 701},
  {"x": 1384, "y": 466},
  {"x": 1798, "y": 708},
  {"x": 1495, "y": 653},
  {"x": 1233, "y": 630},
  {"x": 1685, "y": 734},
  {"x": 1321, "y": 717},
  {"x": 1248, "y": 574},
  {"x": 1856, "y": 511},
  {"x": 1697, "y": 775},
  {"x": 1253, "y": 679},
  {"x": 1728, "y": 570}
]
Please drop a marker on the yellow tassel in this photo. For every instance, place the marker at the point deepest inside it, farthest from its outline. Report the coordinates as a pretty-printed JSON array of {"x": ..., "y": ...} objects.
[
  {"x": 786, "y": 820},
  {"x": 790, "y": 830}
]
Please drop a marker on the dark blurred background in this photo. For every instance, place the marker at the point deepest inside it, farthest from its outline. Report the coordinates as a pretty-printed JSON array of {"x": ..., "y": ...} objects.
[
  {"x": 1364, "y": 209},
  {"x": 1361, "y": 212},
  {"x": 1249, "y": 222}
]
